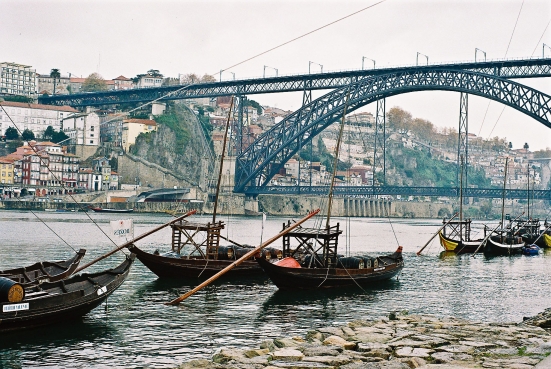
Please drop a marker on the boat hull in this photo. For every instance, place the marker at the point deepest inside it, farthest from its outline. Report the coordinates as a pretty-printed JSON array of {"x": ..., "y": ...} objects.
[
  {"x": 170, "y": 267},
  {"x": 45, "y": 271},
  {"x": 457, "y": 246},
  {"x": 56, "y": 302},
  {"x": 494, "y": 246},
  {"x": 103, "y": 210},
  {"x": 286, "y": 278}
]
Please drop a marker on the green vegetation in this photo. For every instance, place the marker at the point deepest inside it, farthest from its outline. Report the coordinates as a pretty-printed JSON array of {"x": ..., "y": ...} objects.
[
  {"x": 18, "y": 98},
  {"x": 27, "y": 135},
  {"x": 180, "y": 130},
  {"x": 94, "y": 83},
  {"x": 255, "y": 105},
  {"x": 11, "y": 134}
]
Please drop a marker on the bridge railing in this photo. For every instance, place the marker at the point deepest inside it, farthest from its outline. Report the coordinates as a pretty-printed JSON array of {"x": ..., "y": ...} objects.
[{"x": 370, "y": 191}]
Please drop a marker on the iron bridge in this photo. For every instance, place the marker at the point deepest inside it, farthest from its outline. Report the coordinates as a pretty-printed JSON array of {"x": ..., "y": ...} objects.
[{"x": 514, "y": 68}]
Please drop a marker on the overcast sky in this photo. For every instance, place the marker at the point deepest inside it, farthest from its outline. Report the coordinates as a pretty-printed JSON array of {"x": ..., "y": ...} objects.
[{"x": 126, "y": 38}]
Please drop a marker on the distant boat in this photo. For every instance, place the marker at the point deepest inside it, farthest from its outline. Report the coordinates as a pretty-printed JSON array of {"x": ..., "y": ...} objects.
[
  {"x": 57, "y": 302},
  {"x": 106, "y": 210}
]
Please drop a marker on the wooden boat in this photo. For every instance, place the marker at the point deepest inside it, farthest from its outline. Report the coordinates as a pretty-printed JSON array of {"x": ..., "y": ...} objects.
[
  {"x": 456, "y": 237},
  {"x": 55, "y": 302},
  {"x": 504, "y": 243},
  {"x": 44, "y": 271},
  {"x": 196, "y": 252},
  {"x": 106, "y": 210},
  {"x": 299, "y": 270}
]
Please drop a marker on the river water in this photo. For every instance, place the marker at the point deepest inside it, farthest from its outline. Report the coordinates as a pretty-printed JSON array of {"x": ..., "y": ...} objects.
[{"x": 134, "y": 329}]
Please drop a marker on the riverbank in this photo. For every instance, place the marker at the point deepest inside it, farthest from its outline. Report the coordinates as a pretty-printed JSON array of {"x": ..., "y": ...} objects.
[{"x": 399, "y": 341}]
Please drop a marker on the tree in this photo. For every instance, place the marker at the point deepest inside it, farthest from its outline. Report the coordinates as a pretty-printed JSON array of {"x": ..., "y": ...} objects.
[
  {"x": 54, "y": 73},
  {"x": 94, "y": 82},
  {"x": 48, "y": 133},
  {"x": 208, "y": 78},
  {"x": 526, "y": 146},
  {"x": 11, "y": 134},
  {"x": 190, "y": 78},
  {"x": 27, "y": 135},
  {"x": 510, "y": 145},
  {"x": 57, "y": 137},
  {"x": 154, "y": 73},
  {"x": 398, "y": 119}
]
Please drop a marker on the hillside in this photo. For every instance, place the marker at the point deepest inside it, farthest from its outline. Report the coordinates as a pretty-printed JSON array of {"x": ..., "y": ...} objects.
[{"x": 178, "y": 144}]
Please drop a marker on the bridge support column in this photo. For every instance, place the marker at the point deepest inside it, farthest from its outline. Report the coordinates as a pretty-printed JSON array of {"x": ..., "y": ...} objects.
[
  {"x": 379, "y": 158},
  {"x": 251, "y": 205},
  {"x": 463, "y": 144}
]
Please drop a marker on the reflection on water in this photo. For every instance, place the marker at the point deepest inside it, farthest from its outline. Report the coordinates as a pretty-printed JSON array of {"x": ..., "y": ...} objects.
[{"x": 138, "y": 330}]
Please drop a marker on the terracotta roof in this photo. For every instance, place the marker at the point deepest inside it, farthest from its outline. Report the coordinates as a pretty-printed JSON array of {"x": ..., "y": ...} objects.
[
  {"x": 38, "y": 106},
  {"x": 121, "y": 78},
  {"x": 148, "y": 122}
]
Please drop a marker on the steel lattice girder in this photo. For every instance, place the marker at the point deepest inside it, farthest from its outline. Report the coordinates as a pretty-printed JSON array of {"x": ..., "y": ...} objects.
[
  {"x": 362, "y": 191},
  {"x": 526, "y": 68},
  {"x": 260, "y": 161}
]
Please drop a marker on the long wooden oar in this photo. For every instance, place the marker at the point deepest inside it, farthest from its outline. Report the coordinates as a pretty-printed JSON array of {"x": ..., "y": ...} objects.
[
  {"x": 126, "y": 244},
  {"x": 434, "y": 235},
  {"x": 242, "y": 259}
]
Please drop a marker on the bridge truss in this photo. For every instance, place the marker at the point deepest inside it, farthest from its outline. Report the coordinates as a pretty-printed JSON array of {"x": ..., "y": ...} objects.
[{"x": 257, "y": 165}]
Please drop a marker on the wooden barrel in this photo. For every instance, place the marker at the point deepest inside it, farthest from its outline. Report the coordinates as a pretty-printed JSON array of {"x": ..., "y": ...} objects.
[
  {"x": 11, "y": 291},
  {"x": 274, "y": 253},
  {"x": 225, "y": 253},
  {"x": 351, "y": 262}
]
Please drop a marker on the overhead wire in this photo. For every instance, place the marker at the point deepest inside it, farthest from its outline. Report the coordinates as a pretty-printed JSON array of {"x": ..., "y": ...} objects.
[
  {"x": 506, "y": 51},
  {"x": 303, "y": 35}
]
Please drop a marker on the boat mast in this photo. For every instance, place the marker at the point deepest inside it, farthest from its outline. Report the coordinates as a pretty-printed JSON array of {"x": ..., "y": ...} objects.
[
  {"x": 336, "y": 162},
  {"x": 221, "y": 163},
  {"x": 503, "y": 194},
  {"x": 528, "y": 192},
  {"x": 461, "y": 199}
]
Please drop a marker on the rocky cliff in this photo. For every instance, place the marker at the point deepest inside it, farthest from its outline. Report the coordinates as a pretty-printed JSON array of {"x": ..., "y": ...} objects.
[{"x": 178, "y": 145}]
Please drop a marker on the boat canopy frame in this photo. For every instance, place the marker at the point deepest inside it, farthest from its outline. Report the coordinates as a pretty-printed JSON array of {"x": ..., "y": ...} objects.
[
  {"x": 458, "y": 228},
  {"x": 203, "y": 237},
  {"x": 311, "y": 241}
]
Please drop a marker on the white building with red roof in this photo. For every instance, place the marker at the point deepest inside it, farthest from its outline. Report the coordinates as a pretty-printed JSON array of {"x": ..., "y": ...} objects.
[{"x": 35, "y": 117}]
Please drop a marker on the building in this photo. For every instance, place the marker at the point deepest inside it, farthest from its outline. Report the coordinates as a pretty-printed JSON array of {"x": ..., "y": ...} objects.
[
  {"x": 123, "y": 83},
  {"x": 35, "y": 117},
  {"x": 6, "y": 171},
  {"x": 45, "y": 85},
  {"x": 149, "y": 80},
  {"x": 131, "y": 128},
  {"x": 17, "y": 79},
  {"x": 83, "y": 128},
  {"x": 47, "y": 169}
]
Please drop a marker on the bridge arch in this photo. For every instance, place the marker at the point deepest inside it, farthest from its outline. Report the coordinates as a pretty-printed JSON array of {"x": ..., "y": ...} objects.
[{"x": 264, "y": 158}]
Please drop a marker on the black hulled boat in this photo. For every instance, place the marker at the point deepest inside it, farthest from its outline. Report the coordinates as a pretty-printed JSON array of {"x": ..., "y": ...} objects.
[
  {"x": 196, "y": 252},
  {"x": 53, "y": 302},
  {"x": 314, "y": 263}
]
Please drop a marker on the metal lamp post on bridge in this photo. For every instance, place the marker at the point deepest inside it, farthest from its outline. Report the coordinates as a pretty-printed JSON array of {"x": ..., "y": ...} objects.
[
  {"x": 310, "y": 63},
  {"x": 363, "y": 59},
  {"x": 264, "y": 73},
  {"x": 222, "y": 70},
  {"x": 543, "y": 51},
  {"x": 417, "y": 58},
  {"x": 476, "y": 49}
]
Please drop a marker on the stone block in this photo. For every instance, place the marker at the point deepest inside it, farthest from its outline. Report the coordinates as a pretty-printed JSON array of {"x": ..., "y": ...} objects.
[
  {"x": 413, "y": 352},
  {"x": 339, "y": 341},
  {"x": 256, "y": 352},
  {"x": 287, "y": 354}
]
